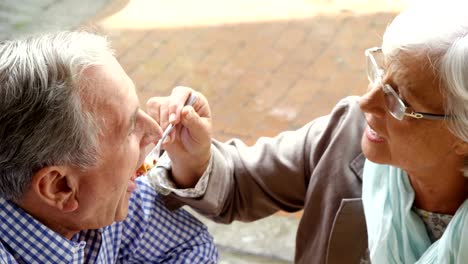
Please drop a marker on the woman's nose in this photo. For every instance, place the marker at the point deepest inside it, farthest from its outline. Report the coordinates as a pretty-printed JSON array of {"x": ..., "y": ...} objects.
[{"x": 372, "y": 101}]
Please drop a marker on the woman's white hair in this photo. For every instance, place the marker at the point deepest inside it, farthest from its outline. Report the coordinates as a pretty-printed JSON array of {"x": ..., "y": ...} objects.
[
  {"x": 43, "y": 118},
  {"x": 438, "y": 30}
]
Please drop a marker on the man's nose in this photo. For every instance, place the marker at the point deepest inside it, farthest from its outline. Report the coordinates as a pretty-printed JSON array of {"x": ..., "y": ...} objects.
[{"x": 153, "y": 131}]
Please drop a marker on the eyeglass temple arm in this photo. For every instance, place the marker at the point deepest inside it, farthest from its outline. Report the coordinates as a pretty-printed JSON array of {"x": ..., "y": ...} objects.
[{"x": 419, "y": 115}]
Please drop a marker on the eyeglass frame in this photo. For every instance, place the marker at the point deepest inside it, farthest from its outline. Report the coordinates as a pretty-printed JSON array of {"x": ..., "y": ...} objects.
[{"x": 388, "y": 89}]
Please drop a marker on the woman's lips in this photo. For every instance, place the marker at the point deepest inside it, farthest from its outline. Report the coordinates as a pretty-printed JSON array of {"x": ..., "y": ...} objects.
[{"x": 373, "y": 136}]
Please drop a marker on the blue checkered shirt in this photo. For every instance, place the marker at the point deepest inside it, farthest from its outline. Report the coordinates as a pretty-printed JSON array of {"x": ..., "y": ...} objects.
[{"x": 150, "y": 234}]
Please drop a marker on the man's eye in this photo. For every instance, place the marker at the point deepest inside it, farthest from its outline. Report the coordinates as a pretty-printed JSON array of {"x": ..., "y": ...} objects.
[{"x": 132, "y": 129}]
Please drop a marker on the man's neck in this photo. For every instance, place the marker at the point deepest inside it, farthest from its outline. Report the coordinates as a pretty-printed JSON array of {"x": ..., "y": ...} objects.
[{"x": 47, "y": 215}]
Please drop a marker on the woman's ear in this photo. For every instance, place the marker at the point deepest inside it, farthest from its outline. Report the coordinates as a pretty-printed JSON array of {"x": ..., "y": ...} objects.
[
  {"x": 56, "y": 187},
  {"x": 461, "y": 148}
]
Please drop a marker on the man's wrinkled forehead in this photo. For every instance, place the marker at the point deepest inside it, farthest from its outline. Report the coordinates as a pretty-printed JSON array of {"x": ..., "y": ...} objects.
[{"x": 103, "y": 98}]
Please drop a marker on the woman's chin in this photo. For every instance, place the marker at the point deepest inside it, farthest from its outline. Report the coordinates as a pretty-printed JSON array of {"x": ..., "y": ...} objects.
[{"x": 377, "y": 154}]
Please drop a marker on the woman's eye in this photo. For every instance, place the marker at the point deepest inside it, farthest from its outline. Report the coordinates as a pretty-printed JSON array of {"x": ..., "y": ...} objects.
[{"x": 397, "y": 90}]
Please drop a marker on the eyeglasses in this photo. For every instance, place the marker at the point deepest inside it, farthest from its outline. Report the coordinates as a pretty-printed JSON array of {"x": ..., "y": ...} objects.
[{"x": 395, "y": 105}]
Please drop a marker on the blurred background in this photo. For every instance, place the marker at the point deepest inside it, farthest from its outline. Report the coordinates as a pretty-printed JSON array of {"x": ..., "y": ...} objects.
[{"x": 264, "y": 65}]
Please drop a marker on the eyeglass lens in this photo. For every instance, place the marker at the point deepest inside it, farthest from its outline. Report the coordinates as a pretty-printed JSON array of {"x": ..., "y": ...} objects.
[{"x": 392, "y": 101}]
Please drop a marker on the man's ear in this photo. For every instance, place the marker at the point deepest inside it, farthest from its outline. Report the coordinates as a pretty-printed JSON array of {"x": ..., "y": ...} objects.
[{"x": 56, "y": 187}]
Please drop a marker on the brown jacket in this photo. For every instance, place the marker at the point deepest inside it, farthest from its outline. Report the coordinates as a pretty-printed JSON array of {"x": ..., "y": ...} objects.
[{"x": 317, "y": 168}]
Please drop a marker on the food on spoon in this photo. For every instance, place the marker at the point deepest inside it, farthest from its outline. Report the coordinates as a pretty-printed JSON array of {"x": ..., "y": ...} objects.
[{"x": 145, "y": 167}]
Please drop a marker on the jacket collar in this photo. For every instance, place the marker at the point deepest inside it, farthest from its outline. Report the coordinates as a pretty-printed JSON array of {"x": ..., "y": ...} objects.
[{"x": 357, "y": 165}]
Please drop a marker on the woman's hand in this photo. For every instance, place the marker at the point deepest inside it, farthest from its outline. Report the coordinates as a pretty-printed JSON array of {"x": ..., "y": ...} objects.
[{"x": 189, "y": 143}]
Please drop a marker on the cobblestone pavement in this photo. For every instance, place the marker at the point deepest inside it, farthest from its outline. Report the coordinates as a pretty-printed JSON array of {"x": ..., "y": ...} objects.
[{"x": 264, "y": 65}]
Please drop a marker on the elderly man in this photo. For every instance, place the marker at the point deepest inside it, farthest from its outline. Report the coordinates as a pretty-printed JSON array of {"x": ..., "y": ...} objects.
[{"x": 72, "y": 136}]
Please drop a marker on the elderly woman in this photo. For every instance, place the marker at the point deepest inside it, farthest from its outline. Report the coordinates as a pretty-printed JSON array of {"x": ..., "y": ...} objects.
[{"x": 382, "y": 177}]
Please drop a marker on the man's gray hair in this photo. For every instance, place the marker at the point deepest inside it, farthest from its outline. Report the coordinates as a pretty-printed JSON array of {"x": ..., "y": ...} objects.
[
  {"x": 43, "y": 120},
  {"x": 438, "y": 30}
]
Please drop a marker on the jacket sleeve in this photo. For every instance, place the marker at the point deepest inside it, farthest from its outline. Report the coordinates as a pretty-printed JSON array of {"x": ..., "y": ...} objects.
[{"x": 251, "y": 182}]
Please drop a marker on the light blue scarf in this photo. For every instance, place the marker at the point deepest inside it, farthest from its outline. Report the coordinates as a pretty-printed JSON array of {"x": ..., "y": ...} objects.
[{"x": 396, "y": 234}]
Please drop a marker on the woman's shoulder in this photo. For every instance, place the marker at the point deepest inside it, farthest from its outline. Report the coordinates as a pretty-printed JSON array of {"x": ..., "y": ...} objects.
[
  {"x": 339, "y": 132},
  {"x": 345, "y": 116},
  {"x": 349, "y": 104}
]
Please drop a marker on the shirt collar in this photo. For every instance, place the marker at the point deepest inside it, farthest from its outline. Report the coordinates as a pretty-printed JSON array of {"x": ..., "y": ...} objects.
[{"x": 26, "y": 237}]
